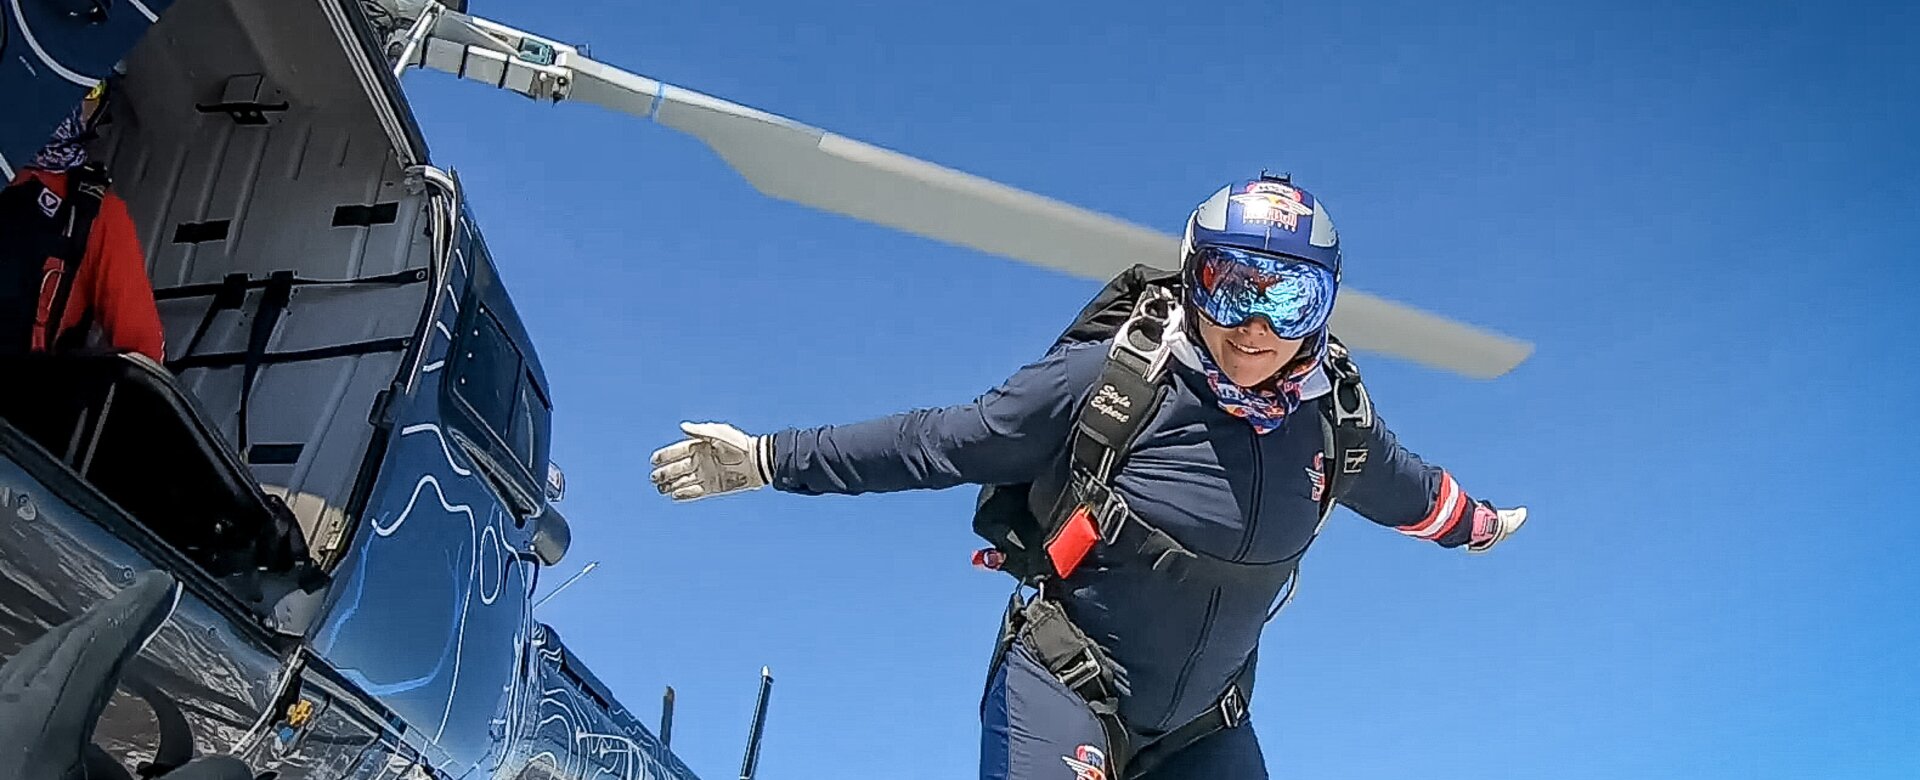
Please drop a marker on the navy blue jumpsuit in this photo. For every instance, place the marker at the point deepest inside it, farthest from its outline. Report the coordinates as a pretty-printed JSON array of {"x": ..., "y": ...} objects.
[{"x": 1198, "y": 473}]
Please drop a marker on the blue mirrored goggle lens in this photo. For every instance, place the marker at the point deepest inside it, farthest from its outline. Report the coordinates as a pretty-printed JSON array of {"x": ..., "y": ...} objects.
[{"x": 1232, "y": 286}]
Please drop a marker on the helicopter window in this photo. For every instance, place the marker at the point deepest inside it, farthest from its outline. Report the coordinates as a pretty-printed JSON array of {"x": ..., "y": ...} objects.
[
  {"x": 531, "y": 420},
  {"x": 499, "y": 409},
  {"x": 487, "y": 372}
]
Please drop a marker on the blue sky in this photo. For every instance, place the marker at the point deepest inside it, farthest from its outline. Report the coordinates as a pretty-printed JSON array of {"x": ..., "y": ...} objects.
[{"x": 1701, "y": 213}]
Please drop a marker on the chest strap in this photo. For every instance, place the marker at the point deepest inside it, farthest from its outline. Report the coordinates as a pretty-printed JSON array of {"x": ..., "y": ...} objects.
[{"x": 1115, "y": 525}]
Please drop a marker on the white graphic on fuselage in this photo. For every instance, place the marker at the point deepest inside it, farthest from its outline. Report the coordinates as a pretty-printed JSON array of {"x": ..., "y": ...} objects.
[
  {"x": 26, "y": 34},
  {"x": 560, "y": 728}
]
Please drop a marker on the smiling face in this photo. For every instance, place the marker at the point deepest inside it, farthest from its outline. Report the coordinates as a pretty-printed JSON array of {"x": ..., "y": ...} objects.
[{"x": 1249, "y": 354}]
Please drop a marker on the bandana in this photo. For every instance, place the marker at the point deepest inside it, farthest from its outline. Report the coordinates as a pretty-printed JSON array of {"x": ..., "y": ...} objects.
[
  {"x": 68, "y": 149},
  {"x": 1265, "y": 407}
]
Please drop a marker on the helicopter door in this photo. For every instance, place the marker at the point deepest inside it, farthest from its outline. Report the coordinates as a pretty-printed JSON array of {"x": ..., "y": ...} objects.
[
  {"x": 431, "y": 612},
  {"x": 51, "y": 53}
]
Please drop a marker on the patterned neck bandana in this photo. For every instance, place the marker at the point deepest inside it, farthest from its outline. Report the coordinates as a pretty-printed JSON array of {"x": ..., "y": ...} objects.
[
  {"x": 68, "y": 149},
  {"x": 1265, "y": 407}
]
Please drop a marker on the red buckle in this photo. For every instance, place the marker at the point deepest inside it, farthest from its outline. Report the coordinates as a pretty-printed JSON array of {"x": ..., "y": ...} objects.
[{"x": 1074, "y": 541}]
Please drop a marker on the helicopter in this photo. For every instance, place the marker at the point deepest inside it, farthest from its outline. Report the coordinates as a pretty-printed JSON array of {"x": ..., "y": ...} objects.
[{"x": 344, "y": 458}]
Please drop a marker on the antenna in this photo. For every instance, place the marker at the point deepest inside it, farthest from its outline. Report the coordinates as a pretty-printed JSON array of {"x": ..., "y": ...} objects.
[
  {"x": 752, "y": 761},
  {"x": 666, "y": 719},
  {"x": 563, "y": 585}
]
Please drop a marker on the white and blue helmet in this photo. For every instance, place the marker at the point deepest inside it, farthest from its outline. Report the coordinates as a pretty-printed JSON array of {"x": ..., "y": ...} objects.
[{"x": 1263, "y": 248}]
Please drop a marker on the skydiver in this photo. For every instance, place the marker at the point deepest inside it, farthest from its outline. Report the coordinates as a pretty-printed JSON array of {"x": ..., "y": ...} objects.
[
  {"x": 61, "y": 287},
  {"x": 1135, "y": 657}
]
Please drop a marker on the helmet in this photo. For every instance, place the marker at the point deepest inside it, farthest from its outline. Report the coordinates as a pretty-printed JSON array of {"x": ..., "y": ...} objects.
[{"x": 1264, "y": 248}]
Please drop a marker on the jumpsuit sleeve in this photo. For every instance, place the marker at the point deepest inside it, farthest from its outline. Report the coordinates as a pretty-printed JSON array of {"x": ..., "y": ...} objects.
[
  {"x": 1009, "y": 435},
  {"x": 1398, "y": 490},
  {"x": 122, "y": 293}
]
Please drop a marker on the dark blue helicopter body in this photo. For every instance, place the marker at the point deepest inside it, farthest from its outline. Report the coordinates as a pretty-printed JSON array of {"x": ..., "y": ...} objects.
[{"x": 413, "y": 651}]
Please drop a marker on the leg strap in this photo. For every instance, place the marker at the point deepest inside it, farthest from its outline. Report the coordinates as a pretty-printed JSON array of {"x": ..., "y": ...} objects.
[
  {"x": 1073, "y": 658},
  {"x": 1228, "y": 713}
]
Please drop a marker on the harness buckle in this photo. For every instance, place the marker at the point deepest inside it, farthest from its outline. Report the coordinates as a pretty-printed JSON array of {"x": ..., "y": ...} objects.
[
  {"x": 1108, "y": 507},
  {"x": 1233, "y": 707},
  {"x": 1144, "y": 334},
  {"x": 1087, "y": 677},
  {"x": 1113, "y": 516},
  {"x": 1084, "y": 668},
  {"x": 1351, "y": 404}
]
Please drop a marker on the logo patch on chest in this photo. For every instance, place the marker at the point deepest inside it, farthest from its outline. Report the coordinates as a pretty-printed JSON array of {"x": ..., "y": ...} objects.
[
  {"x": 1317, "y": 475},
  {"x": 49, "y": 203}
]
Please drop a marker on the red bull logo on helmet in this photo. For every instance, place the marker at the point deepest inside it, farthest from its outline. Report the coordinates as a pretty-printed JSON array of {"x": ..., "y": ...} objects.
[{"x": 1272, "y": 203}]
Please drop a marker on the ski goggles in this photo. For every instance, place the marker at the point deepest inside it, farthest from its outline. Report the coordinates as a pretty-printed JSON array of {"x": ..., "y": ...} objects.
[{"x": 1232, "y": 286}]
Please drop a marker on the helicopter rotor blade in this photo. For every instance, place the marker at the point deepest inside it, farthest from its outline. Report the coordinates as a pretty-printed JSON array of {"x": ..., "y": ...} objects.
[
  {"x": 1363, "y": 320},
  {"x": 795, "y": 162}
]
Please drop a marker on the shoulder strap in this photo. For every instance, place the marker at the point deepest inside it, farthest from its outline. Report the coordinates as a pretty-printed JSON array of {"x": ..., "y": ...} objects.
[
  {"x": 86, "y": 190},
  {"x": 1129, "y": 390},
  {"x": 1117, "y": 408},
  {"x": 1346, "y": 420}
]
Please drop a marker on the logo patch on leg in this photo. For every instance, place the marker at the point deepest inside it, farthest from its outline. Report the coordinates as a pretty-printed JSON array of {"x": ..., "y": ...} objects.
[{"x": 1087, "y": 763}]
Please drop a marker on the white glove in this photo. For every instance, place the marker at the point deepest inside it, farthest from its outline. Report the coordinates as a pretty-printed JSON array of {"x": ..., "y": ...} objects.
[
  {"x": 1491, "y": 525},
  {"x": 714, "y": 459}
]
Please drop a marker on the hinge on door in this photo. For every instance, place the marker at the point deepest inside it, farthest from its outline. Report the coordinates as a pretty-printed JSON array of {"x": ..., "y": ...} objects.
[{"x": 381, "y": 415}]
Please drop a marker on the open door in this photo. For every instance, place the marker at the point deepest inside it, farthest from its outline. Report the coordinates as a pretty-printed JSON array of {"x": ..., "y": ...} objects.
[{"x": 51, "y": 53}]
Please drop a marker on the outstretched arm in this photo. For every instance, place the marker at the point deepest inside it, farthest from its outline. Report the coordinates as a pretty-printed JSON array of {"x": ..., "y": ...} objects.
[
  {"x": 1400, "y": 491},
  {"x": 1005, "y": 436}
]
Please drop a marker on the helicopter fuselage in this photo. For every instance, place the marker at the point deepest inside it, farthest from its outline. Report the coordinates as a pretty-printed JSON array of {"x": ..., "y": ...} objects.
[{"x": 345, "y": 455}]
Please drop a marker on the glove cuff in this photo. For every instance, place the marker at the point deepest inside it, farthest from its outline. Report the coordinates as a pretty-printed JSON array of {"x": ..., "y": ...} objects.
[
  {"x": 1488, "y": 529},
  {"x": 762, "y": 450}
]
